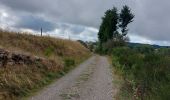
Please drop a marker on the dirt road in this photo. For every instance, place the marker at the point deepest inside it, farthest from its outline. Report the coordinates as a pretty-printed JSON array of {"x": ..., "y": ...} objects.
[{"x": 92, "y": 80}]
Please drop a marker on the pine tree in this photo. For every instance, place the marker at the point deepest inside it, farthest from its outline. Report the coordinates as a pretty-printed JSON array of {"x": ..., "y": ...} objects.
[
  {"x": 125, "y": 18},
  {"x": 111, "y": 22},
  {"x": 109, "y": 25}
]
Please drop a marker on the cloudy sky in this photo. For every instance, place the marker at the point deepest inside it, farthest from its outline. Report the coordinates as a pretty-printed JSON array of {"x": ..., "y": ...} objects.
[{"x": 80, "y": 19}]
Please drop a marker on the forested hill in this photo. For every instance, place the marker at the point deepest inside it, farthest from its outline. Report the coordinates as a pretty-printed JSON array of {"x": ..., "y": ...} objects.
[{"x": 130, "y": 44}]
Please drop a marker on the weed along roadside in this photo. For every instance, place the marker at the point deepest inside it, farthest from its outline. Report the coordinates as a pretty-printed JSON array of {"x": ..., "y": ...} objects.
[
  {"x": 144, "y": 74},
  {"x": 30, "y": 62}
]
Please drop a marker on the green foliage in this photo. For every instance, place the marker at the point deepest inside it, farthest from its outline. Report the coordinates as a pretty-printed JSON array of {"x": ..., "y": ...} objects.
[
  {"x": 100, "y": 49},
  {"x": 108, "y": 34},
  {"x": 49, "y": 51},
  {"x": 144, "y": 49},
  {"x": 164, "y": 51},
  {"x": 69, "y": 62},
  {"x": 109, "y": 25},
  {"x": 83, "y": 43},
  {"x": 125, "y": 18},
  {"x": 147, "y": 72}
]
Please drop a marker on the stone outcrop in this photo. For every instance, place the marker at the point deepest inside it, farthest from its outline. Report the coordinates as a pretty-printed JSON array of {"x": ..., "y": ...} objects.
[{"x": 11, "y": 58}]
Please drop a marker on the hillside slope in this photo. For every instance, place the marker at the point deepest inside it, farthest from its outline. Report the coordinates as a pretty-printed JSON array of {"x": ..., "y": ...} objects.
[{"x": 56, "y": 57}]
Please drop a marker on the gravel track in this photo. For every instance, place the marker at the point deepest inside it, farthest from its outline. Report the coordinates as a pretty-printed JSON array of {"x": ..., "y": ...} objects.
[{"x": 92, "y": 80}]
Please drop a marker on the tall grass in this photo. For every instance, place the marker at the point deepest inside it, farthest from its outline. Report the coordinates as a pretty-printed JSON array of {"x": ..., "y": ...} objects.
[
  {"x": 19, "y": 80},
  {"x": 38, "y": 45}
]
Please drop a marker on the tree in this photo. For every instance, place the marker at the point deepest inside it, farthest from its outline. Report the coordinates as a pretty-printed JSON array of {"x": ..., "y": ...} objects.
[
  {"x": 109, "y": 25},
  {"x": 125, "y": 18},
  {"x": 111, "y": 22}
]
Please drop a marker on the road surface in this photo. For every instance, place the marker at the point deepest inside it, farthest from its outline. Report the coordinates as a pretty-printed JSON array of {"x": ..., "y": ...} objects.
[{"x": 92, "y": 80}]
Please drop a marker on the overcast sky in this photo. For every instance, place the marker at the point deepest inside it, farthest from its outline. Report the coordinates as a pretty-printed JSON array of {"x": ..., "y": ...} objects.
[{"x": 80, "y": 19}]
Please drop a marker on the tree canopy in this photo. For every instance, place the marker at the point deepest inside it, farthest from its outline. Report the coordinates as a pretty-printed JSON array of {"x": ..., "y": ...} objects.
[
  {"x": 112, "y": 22},
  {"x": 125, "y": 18},
  {"x": 109, "y": 25}
]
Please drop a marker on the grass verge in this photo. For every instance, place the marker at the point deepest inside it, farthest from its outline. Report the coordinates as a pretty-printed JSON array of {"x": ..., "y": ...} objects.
[{"x": 22, "y": 80}]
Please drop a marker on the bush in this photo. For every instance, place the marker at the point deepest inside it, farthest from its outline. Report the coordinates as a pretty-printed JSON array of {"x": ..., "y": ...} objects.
[
  {"x": 49, "y": 51},
  {"x": 69, "y": 62},
  {"x": 144, "y": 49},
  {"x": 147, "y": 72}
]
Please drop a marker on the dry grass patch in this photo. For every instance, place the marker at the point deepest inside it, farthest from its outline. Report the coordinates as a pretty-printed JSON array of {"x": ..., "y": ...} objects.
[{"x": 20, "y": 79}]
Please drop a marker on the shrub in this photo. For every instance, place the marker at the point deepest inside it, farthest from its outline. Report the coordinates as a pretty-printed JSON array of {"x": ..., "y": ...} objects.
[
  {"x": 144, "y": 49},
  {"x": 147, "y": 72},
  {"x": 69, "y": 62},
  {"x": 49, "y": 51}
]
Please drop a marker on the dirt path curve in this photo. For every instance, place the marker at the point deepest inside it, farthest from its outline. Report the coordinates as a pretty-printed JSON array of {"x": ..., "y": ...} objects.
[{"x": 92, "y": 80}]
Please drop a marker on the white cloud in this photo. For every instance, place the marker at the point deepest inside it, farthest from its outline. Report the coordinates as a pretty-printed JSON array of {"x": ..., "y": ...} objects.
[
  {"x": 81, "y": 18},
  {"x": 87, "y": 33},
  {"x": 140, "y": 39}
]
